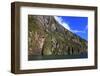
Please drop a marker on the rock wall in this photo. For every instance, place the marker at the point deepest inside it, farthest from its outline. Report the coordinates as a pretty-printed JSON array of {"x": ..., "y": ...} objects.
[{"x": 47, "y": 37}]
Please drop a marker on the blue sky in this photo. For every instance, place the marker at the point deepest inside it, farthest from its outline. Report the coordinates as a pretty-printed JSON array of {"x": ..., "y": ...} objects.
[{"x": 77, "y": 25}]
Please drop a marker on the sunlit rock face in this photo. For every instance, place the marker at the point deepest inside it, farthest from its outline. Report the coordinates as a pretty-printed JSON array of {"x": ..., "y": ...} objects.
[{"x": 47, "y": 37}]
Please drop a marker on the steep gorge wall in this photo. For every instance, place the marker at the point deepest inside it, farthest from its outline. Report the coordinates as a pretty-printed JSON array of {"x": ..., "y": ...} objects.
[{"x": 47, "y": 37}]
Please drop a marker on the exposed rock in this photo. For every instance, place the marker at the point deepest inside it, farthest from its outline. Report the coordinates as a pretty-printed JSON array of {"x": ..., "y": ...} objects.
[{"x": 48, "y": 37}]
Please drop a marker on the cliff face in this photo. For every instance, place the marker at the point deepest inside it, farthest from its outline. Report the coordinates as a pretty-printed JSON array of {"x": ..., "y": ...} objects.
[{"x": 47, "y": 37}]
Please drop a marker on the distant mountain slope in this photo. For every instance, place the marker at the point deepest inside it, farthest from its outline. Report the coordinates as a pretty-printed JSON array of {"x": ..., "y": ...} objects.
[{"x": 48, "y": 37}]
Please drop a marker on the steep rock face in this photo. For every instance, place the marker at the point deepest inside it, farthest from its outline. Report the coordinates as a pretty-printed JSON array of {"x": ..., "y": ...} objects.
[{"x": 47, "y": 37}]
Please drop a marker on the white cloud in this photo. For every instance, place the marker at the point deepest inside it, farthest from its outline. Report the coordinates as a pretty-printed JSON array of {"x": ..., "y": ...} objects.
[
  {"x": 67, "y": 26},
  {"x": 61, "y": 22},
  {"x": 76, "y": 31},
  {"x": 83, "y": 31}
]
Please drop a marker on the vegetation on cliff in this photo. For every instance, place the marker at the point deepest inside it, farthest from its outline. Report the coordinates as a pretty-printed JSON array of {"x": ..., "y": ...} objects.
[{"x": 47, "y": 37}]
